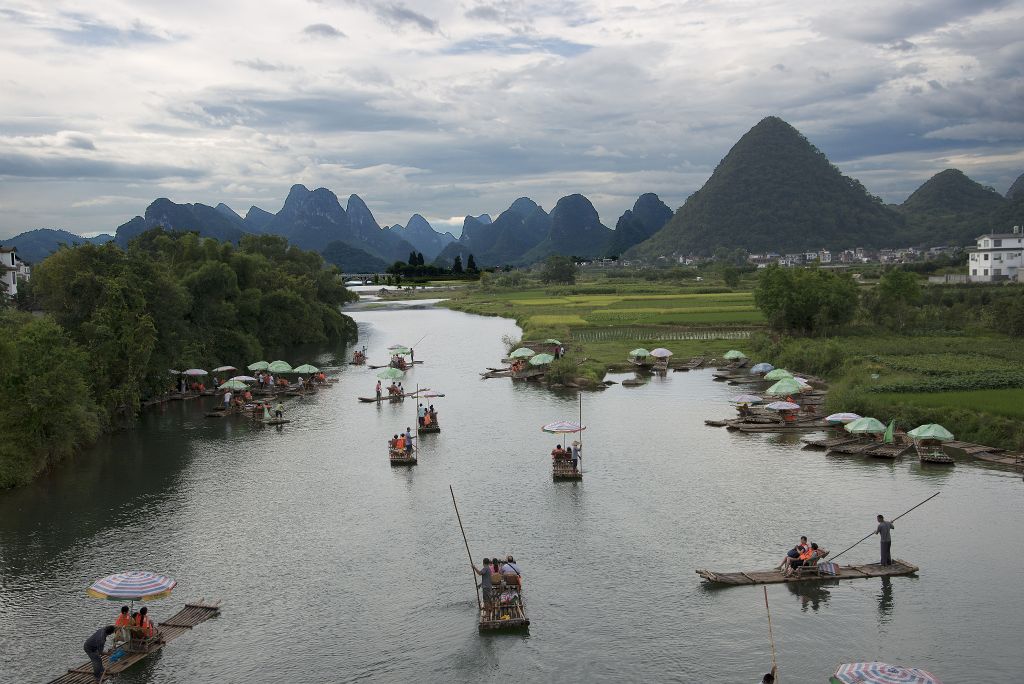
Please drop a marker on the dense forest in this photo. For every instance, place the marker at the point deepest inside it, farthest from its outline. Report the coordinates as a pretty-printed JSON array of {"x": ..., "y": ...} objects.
[{"x": 114, "y": 321}]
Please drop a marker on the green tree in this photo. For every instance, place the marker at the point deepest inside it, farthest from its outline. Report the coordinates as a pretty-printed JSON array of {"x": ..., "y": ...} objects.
[
  {"x": 471, "y": 265},
  {"x": 806, "y": 301},
  {"x": 559, "y": 269},
  {"x": 895, "y": 300},
  {"x": 457, "y": 264}
]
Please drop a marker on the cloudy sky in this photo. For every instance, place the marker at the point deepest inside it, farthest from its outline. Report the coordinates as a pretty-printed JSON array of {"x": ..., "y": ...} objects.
[{"x": 455, "y": 108}]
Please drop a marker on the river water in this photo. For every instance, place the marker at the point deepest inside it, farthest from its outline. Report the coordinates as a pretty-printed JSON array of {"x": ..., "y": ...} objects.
[{"x": 334, "y": 567}]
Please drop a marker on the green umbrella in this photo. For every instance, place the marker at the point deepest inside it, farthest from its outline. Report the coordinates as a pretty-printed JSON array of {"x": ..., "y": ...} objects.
[
  {"x": 258, "y": 366},
  {"x": 639, "y": 352},
  {"x": 551, "y": 340},
  {"x": 866, "y": 426},
  {"x": 777, "y": 374},
  {"x": 931, "y": 431},
  {"x": 890, "y": 432},
  {"x": 786, "y": 386},
  {"x": 391, "y": 374},
  {"x": 541, "y": 359},
  {"x": 234, "y": 385},
  {"x": 734, "y": 354},
  {"x": 522, "y": 353},
  {"x": 306, "y": 368},
  {"x": 279, "y": 367},
  {"x": 405, "y": 351}
]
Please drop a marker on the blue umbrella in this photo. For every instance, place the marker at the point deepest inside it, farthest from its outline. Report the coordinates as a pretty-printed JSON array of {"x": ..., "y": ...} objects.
[{"x": 762, "y": 368}]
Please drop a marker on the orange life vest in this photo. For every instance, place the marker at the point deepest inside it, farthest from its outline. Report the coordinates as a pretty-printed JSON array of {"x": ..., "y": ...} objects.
[
  {"x": 123, "y": 620},
  {"x": 144, "y": 622},
  {"x": 806, "y": 554},
  {"x": 400, "y": 443}
]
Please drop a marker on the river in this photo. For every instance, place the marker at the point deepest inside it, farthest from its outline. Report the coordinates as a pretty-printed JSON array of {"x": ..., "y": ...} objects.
[{"x": 334, "y": 567}]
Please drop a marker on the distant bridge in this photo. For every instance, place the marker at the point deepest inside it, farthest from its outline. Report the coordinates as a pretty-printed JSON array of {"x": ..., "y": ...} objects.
[{"x": 364, "y": 278}]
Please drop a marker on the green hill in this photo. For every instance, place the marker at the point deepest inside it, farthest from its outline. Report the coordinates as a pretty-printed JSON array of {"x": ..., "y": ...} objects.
[
  {"x": 950, "y": 208},
  {"x": 775, "y": 191}
]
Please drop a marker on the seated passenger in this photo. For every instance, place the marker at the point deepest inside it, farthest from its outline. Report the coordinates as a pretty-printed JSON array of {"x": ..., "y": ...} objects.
[
  {"x": 400, "y": 443},
  {"x": 511, "y": 573},
  {"x": 793, "y": 553},
  {"x": 143, "y": 626},
  {"x": 495, "y": 571},
  {"x": 123, "y": 621},
  {"x": 558, "y": 453}
]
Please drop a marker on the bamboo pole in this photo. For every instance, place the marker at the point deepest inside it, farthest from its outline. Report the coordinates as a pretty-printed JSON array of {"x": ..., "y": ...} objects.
[
  {"x": 581, "y": 433},
  {"x": 476, "y": 587},
  {"x": 893, "y": 520},
  {"x": 771, "y": 638}
]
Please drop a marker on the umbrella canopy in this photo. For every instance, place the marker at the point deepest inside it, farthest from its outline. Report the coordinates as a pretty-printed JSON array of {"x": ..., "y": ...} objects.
[
  {"x": 762, "y": 368},
  {"x": 397, "y": 346},
  {"x": 173, "y": 372},
  {"x": 639, "y": 352},
  {"x": 194, "y": 372},
  {"x": 746, "y": 399},
  {"x": 134, "y": 585},
  {"x": 842, "y": 417},
  {"x": 777, "y": 374},
  {"x": 785, "y": 386},
  {"x": 234, "y": 385},
  {"x": 258, "y": 366},
  {"x": 223, "y": 369},
  {"x": 734, "y": 354},
  {"x": 306, "y": 368},
  {"x": 882, "y": 673},
  {"x": 522, "y": 353},
  {"x": 398, "y": 349},
  {"x": 243, "y": 378},
  {"x": 783, "y": 406},
  {"x": 279, "y": 367},
  {"x": 391, "y": 374},
  {"x": 931, "y": 431},
  {"x": 541, "y": 359},
  {"x": 661, "y": 353},
  {"x": 561, "y": 427},
  {"x": 551, "y": 340},
  {"x": 866, "y": 426}
]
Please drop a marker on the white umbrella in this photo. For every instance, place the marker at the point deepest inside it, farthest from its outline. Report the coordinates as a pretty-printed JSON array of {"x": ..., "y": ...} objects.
[
  {"x": 243, "y": 378},
  {"x": 783, "y": 406},
  {"x": 194, "y": 372}
]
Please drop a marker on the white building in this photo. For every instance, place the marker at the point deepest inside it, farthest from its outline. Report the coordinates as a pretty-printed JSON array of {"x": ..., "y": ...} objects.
[
  {"x": 998, "y": 257},
  {"x": 10, "y": 265}
]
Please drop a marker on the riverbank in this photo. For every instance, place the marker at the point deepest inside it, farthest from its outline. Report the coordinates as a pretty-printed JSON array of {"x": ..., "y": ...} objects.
[{"x": 601, "y": 321}]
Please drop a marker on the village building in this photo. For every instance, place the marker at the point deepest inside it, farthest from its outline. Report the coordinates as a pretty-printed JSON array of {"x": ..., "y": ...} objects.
[
  {"x": 997, "y": 257},
  {"x": 12, "y": 271}
]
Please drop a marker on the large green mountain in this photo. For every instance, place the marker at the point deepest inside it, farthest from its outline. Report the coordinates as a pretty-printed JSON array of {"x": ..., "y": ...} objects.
[
  {"x": 950, "y": 208},
  {"x": 576, "y": 230},
  {"x": 1017, "y": 189},
  {"x": 35, "y": 245},
  {"x": 775, "y": 191},
  {"x": 648, "y": 215}
]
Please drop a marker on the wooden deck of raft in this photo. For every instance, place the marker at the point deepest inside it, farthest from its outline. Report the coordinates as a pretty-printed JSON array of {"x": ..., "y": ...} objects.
[
  {"x": 898, "y": 568},
  {"x": 180, "y": 623},
  {"x": 507, "y": 617},
  {"x": 562, "y": 469}
]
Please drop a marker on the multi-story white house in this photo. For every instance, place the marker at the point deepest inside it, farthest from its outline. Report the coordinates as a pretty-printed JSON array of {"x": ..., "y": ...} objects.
[
  {"x": 8, "y": 271},
  {"x": 998, "y": 257}
]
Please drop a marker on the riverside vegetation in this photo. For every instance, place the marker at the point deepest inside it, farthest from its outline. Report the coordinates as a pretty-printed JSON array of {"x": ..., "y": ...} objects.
[
  {"x": 114, "y": 321},
  {"x": 894, "y": 348}
]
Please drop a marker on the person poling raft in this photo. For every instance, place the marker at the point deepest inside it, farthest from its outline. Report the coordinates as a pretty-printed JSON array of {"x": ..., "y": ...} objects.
[
  {"x": 499, "y": 595},
  {"x": 809, "y": 565},
  {"x": 401, "y": 449}
]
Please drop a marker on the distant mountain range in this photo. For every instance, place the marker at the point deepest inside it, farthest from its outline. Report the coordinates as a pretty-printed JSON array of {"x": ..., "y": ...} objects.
[{"x": 773, "y": 191}]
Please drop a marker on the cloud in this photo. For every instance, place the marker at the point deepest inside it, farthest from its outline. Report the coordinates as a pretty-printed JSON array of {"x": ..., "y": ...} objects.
[
  {"x": 322, "y": 31},
  {"x": 896, "y": 21},
  {"x": 517, "y": 44},
  {"x": 396, "y": 15},
  {"x": 14, "y": 165},
  {"x": 83, "y": 30},
  {"x": 260, "y": 65}
]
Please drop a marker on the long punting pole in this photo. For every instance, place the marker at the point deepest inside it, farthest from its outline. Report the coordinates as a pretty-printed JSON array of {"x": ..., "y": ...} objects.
[
  {"x": 581, "y": 433},
  {"x": 893, "y": 520},
  {"x": 466, "y": 541},
  {"x": 770, "y": 637}
]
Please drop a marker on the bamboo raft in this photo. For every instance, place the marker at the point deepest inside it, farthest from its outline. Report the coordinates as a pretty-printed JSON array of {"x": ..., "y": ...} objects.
[
  {"x": 888, "y": 450},
  {"x": 401, "y": 457},
  {"x": 633, "y": 382},
  {"x": 693, "y": 364},
  {"x": 180, "y": 623},
  {"x": 798, "y": 426},
  {"x": 933, "y": 454},
  {"x": 394, "y": 397},
  {"x": 276, "y": 421},
  {"x": 829, "y": 442},
  {"x": 775, "y": 576},
  {"x": 431, "y": 429},
  {"x": 561, "y": 469},
  {"x": 856, "y": 447},
  {"x": 501, "y": 615}
]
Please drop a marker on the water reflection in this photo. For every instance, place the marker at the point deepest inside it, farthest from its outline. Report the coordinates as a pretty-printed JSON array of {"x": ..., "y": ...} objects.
[
  {"x": 812, "y": 595},
  {"x": 885, "y": 601}
]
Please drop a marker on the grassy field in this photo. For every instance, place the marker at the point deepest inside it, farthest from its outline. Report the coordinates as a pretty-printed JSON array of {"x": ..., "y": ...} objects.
[
  {"x": 627, "y": 314},
  {"x": 998, "y": 402}
]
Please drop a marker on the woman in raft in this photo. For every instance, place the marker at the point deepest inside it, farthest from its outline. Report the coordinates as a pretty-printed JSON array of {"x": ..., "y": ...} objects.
[{"x": 807, "y": 557}]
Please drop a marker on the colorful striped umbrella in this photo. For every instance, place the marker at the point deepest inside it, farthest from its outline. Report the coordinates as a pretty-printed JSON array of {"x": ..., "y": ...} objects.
[
  {"x": 882, "y": 673},
  {"x": 842, "y": 417},
  {"x": 783, "y": 406},
  {"x": 134, "y": 585},
  {"x": 746, "y": 399},
  {"x": 560, "y": 427}
]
